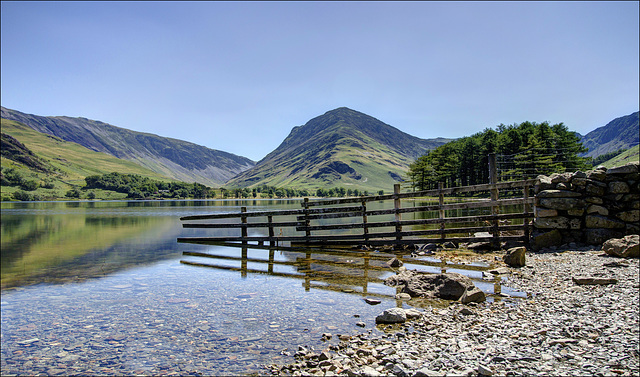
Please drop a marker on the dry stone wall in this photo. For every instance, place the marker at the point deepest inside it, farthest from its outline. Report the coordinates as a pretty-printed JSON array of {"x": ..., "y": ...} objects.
[{"x": 586, "y": 207}]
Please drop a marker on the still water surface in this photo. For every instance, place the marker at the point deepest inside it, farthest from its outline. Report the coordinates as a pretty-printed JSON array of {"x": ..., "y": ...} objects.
[{"x": 99, "y": 288}]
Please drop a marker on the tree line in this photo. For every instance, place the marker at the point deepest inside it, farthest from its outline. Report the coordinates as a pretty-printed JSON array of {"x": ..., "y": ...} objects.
[
  {"x": 607, "y": 156},
  {"x": 527, "y": 150},
  {"x": 265, "y": 191},
  {"x": 139, "y": 187}
]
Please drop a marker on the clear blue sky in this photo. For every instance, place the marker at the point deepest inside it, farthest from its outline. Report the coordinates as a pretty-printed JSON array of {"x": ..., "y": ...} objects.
[{"x": 237, "y": 76}]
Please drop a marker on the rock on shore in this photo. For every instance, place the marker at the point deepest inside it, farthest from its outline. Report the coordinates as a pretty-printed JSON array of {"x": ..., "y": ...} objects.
[
  {"x": 626, "y": 247},
  {"x": 448, "y": 286},
  {"x": 560, "y": 329}
]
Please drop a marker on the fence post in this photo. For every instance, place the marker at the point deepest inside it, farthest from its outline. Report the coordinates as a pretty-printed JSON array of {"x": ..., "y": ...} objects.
[
  {"x": 441, "y": 208},
  {"x": 244, "y": 225},
  {"x": 525, "y": 221},
  {"x": 493, "y": 179},
  {"x": 364, "y": 221},
  {"x": 307, "y": 222},
  {"x": 270, "y": 221},
  {"x": 398, "y": 215}
]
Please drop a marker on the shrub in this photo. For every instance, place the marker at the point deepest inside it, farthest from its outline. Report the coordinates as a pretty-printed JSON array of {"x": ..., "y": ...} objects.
[
  {"x": 11, "y": 177},
  {"x": 29, "y": 185},
  {"x": 74, "y": 193},
  {"x": 48, "y": 184},
  {"x": 22, "y": 196}
]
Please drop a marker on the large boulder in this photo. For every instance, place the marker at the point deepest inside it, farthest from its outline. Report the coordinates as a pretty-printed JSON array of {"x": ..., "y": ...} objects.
[
  {"x": 626, "y": 247},
  {"x": 515, "y": 257},
  {"x": 448, "y": 286}
]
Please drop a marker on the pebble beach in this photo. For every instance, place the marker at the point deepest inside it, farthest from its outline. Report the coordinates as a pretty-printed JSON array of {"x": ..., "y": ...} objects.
[{"x": 580, "y": 318}]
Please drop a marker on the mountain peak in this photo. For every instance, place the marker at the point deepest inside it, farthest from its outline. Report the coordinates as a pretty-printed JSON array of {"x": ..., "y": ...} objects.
[
  {"x": 342, "y": 147},
  {"x": 342, "y": 110}
]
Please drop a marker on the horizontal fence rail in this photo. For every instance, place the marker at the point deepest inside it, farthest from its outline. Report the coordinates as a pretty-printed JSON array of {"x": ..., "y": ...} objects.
[{"x": 318, "y": 215}]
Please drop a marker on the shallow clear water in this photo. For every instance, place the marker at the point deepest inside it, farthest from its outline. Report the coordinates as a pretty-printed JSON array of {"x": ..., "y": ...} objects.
[{"x": 104, "y": 288}]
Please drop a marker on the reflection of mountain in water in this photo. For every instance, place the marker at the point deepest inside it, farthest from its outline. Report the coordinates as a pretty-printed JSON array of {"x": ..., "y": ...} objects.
[{"x": 59, "y": 248}]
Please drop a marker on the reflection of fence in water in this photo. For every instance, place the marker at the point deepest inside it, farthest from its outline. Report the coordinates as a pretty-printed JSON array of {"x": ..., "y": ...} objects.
[{"x": 336, "y": 270}]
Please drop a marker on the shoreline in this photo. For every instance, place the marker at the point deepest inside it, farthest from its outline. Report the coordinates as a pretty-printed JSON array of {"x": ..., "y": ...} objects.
[{"x": 560, "y": 329}]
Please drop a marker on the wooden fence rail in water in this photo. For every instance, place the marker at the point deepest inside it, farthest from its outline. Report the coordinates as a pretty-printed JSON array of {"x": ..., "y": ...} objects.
[{"x": 316, "y": 215}]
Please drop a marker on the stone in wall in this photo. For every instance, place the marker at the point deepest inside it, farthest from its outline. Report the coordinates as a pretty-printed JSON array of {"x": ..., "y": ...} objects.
[
  {"x": 629, "y": 168},
  {"x": 595, "y": 188},
  {"x": 541, "y": 240},
  {"x": 544, "y": 212},
  {"x": 544, "y": 183},
  {"x": 563, "y": 204},
  {"x": 556, "y": 222},
  {"x": 596, "y": 221},
  {"x": 597, "y": 209},
  {"x": 632, "y": 216},
  {"x": 598, "y": 174},
  {"x": 618, "y": 187},
  {"x": 597, "y": 236}
]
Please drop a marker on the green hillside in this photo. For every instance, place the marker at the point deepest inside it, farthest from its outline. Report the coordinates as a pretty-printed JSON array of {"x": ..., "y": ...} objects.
[
  {"x": 66, "y": 164},
  {"x": 176, "y": 159},
  {"x": 343, "y": 148},
  {"x": 631, "y": 154}
]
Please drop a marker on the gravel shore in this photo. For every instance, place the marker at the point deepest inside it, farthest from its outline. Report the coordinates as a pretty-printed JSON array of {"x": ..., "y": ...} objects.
[{"x": 562, "y": 328}]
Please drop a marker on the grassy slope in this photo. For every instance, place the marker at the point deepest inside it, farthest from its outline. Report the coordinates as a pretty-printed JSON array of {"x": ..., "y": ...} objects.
[
  {"x": 371, "y": 160},
  {"x": 176, "y": 159},
  {"x": 73, "y": 161},
  {"x": 344, "y": 138},
  {"x": 632, "y": 154}
]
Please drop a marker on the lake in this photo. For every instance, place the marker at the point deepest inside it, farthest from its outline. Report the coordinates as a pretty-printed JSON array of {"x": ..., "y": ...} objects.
[{"x": 104, "y": 288}]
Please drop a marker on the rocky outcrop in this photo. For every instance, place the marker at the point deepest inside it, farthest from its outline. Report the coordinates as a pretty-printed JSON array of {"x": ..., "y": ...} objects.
[
  {"x": 447, "y": 286},
  {"x": 589, "y": 207},
  {"x": 626, "y": 247}
]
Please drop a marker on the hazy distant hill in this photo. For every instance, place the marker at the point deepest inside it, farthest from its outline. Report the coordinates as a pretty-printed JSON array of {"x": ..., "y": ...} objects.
[
  {"x": 620, "y": 133},
  {"x": 172, "y": 158},
  {"x": 343, "y": 148}
]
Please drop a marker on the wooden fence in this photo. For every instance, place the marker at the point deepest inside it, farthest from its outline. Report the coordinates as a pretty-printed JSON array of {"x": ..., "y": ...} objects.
[{"x": 316, "y": 216}]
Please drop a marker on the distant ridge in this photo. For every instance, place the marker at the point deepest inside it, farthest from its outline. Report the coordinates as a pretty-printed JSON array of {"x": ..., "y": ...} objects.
[
  {"x": 620, "y": 133},
  {"x": 172, "y": 158},
  {"x": 342, "y": 147}
]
